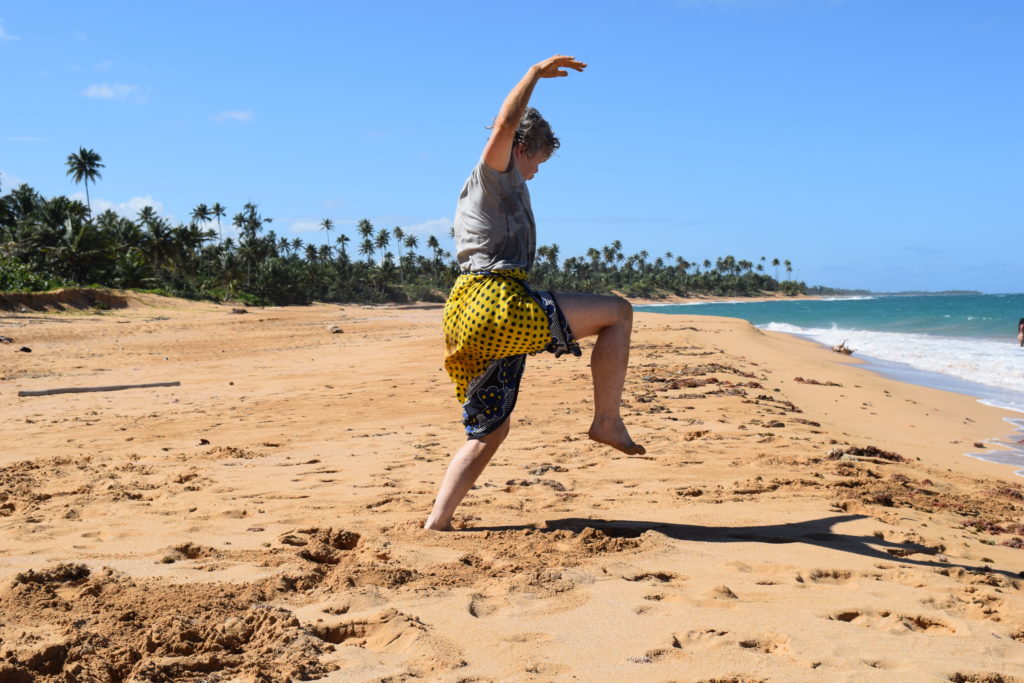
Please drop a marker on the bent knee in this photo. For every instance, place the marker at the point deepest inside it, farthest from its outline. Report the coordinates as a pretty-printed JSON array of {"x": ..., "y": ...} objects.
[{"x": 623, "y": 309}]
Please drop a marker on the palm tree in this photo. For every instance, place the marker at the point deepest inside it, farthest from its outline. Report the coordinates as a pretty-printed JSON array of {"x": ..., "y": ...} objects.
[
  {"x": 79, "y": 244},
  {"x": 411, "y": 242},
  {"x": 157, "y": 241},
  {"x": 365, "y": 229},
  {"x": 342, "y": 241},
  {"x": 435, "y": 246},
  {"x": 327, "y": 225},
  {"x": 201, "y": 214},
  {"x": 366, "y": 249},
  {"x": 382, "y": 242},
  {"x": 83, "y": 167},
  {"x": 146, "y": 214},
  {"x": 219, "y": 212},
  {"x": 553, "y": 257}
]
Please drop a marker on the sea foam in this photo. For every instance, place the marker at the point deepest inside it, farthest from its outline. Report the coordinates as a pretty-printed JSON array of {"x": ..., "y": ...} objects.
[{"x": 991, "y": 363}]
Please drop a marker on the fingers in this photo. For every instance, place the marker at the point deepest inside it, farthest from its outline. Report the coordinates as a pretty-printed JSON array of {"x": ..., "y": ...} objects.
[
  {"x": 569, "y": 62},
  {"x": 554, "y": 65}
]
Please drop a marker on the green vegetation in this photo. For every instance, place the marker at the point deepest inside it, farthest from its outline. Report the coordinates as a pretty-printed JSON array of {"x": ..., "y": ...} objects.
[
  {"x": 834, "y": 291},
  {"x": 47, "y": 243}
]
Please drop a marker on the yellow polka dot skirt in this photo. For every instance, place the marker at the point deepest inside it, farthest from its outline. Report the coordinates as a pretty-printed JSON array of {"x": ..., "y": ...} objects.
[{"x": 491, "y": 321}]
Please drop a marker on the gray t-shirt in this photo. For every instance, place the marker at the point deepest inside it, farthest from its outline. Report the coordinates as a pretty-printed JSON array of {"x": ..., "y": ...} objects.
[{"x": 494, "y": 226}]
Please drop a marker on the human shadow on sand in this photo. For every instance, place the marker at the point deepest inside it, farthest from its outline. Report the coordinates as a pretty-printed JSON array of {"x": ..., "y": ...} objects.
[{"x": 812, "y": 532}]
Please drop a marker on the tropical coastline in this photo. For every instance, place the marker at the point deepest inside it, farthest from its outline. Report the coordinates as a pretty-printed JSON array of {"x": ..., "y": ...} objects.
[{"x": 260, "y": 276}]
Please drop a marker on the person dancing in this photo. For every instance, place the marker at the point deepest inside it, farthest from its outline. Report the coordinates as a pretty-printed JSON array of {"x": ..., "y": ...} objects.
[{"x": 493, "y": 318}]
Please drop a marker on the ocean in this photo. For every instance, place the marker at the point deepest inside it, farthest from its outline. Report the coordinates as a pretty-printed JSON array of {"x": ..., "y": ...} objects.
[{"x": 965, "y": 343}]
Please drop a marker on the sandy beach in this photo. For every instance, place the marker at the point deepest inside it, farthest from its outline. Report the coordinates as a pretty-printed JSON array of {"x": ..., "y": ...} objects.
[{"x": 796, "y": 517}]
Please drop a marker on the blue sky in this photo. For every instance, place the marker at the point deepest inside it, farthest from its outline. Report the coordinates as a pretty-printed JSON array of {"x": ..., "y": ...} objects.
[{"x": 875, "y": 144}]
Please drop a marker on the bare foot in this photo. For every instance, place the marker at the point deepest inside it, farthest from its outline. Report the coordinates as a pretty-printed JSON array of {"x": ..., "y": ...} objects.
[
  {"x": 436, "y": 527},
  {"x": 613, "y": 433}
]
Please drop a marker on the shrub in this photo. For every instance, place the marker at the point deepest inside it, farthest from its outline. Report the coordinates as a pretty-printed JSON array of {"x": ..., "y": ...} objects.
[{"x": 15, "y": 276}]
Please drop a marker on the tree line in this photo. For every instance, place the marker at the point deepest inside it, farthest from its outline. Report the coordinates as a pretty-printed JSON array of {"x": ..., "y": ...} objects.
[{"x": 57, "y": 242}]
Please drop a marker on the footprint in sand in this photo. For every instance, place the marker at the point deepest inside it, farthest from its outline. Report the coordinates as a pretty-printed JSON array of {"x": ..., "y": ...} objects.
[
  {"x": 692, "y": 641},
  {"x": 379, "y": 632},
  {"x": 546, "y": 668},
  {"x": 890, "y": 621},
  {"x": 769, "y": 644},
  {"x": 656, "y": 577},
  {"x": 826, "y": 576},
  {"x": 703, "y": 638},
  {"x": 481, "y": 605},
  {"x": 721, "y": 593},
  {"x": 392, "y": 632},
  {"x": 189, "y": 551},
  {"x": 321, "y": 546}
]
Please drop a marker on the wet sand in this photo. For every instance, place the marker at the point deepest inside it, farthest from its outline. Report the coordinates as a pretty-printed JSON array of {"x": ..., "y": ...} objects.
[{"x": 796, "y": 517}]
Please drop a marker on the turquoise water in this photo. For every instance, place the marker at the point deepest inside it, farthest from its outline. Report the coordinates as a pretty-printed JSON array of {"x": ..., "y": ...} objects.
[
  {"x": 980, "y": 316},
  {"x": 964, "y": 343},
  {"x": 970, "y": 338}
]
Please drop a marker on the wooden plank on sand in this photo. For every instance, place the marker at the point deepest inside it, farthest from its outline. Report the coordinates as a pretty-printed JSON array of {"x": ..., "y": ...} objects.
[{"x": 83, "y": 390}]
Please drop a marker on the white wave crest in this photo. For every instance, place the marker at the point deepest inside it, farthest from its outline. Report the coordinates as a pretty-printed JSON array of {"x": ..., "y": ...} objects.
[{"x": 988, "y": 362}]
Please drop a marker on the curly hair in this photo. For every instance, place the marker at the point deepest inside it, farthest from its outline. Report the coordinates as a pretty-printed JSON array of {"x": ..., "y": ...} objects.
[{"x": 535, "y": 132}]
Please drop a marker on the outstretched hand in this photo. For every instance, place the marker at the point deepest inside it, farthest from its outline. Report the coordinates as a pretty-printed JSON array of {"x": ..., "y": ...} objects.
[
  {"x": 553, "y": 67},
  {"x": 498, "y": 151}
]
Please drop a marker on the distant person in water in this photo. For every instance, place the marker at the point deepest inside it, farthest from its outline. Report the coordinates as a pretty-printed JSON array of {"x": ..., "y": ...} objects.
[
  {"x": 1020, "y": 331},
  {"x": 493, "y": 318}
]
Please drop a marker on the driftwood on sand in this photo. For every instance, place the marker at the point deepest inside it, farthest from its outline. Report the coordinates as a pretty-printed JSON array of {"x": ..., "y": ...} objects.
[
  {"x": 842, "y": 348},
  {"x": 85, "y": 390}
]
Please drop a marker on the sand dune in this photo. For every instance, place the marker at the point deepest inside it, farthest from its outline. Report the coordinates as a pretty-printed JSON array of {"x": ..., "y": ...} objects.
[{"x": 796, "y": 518}]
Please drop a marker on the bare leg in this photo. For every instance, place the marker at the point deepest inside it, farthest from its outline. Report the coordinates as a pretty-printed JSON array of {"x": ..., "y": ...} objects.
[
  {"x": 611, "y": 319},
  {"x": 465, "y": 467}
]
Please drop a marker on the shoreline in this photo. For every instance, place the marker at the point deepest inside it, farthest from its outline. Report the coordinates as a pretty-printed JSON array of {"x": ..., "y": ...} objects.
[
  {"x": 992, "y": 396},
  {"x": 1009, "y": 442},
  {"x": 794, "y": 510}
]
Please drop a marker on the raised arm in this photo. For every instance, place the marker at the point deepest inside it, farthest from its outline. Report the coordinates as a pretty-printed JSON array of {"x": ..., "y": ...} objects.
[{"x": 498, "y": 151}]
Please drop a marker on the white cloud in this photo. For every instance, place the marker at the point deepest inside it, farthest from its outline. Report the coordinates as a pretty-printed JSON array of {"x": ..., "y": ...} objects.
[
  {"x": 8, "y": 182},
  {"x": 4, "y": 35},
  {"x": 233, "y": 116},
  {"x": 105, "y": 65},
  {"x": 437, "y": 227},
  {"x": 110, "y": 91},
  {"x": 129, "y": 209},
  {"x": 136, "y": 204}
]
